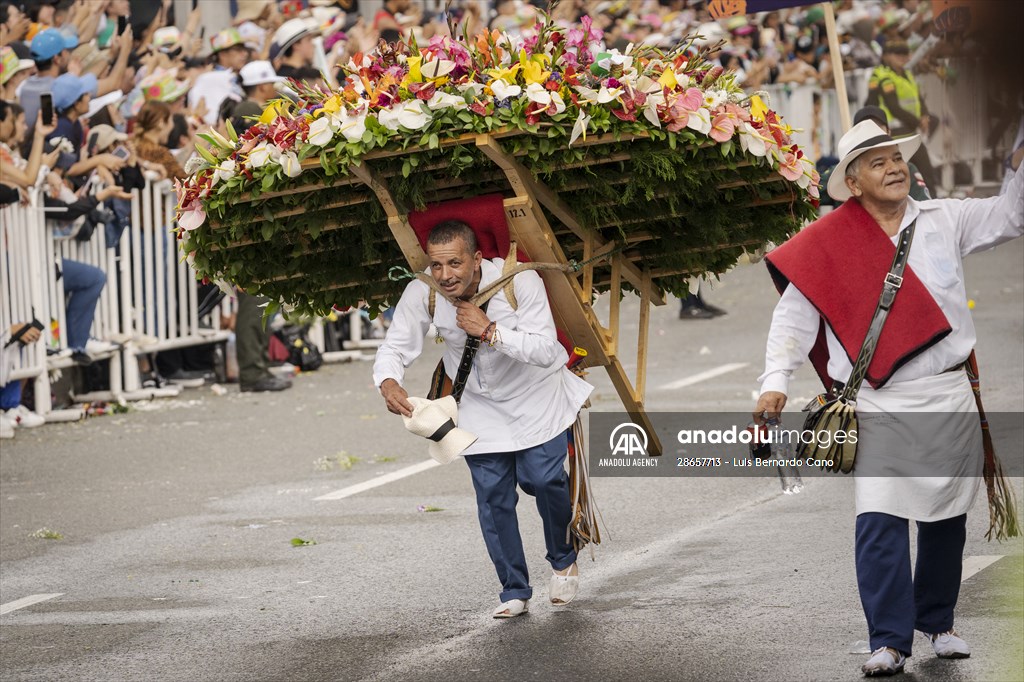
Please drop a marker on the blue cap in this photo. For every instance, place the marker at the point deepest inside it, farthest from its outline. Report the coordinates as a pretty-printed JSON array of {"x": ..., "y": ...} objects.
[
  {"x": 51, "y": 42},
  {"x": 68, "y": 88}
]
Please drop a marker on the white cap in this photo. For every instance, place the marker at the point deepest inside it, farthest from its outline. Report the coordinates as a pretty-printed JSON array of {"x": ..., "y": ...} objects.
[
  {"x": 436, "y": 420},
  {"x": 256, "y": 73}
]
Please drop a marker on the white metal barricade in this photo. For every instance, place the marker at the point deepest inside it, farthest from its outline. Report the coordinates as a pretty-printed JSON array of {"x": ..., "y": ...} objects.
[
  {"x": 22, "y": 291},
  {"x": 158, "y": 290},
  {"x": 106, "y": 323}
]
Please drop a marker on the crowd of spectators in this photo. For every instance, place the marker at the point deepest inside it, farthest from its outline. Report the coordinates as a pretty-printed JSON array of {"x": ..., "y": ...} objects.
[{"x": 96, "y": 96}]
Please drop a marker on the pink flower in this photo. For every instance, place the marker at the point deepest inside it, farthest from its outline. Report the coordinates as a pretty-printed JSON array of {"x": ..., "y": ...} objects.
[
  {"x": 691, "y": 100},
  {"x": 582, "y": 37},
  {"x": 737, "y": 112},
  {"x": 192, "y": 217},
  {"x": 722, "y": 128},
  {"x": 790, "y": 167}
]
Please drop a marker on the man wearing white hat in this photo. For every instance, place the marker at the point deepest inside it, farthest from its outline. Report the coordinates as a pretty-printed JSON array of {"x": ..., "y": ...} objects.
[
  {"x": 831, "y": 278},
  {"x": 258, "y": 81},
  {"x": 293, "y": 49},
  {"x": 519, "y": 400}
]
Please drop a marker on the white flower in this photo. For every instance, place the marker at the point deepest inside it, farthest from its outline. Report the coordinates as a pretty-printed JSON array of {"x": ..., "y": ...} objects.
[
  {"x": 259, "y": 155},
  {"x": 353, "y": 127},
  {"x": 648, "y": 85},
  {"x": 538, "y": 93},
  {"x": 751, "y": 140},
  {"x": 195, "y": 164},
  {"x": 290, "y": 163},
  {"x": 714, "y": 98},
  {"x": 654, "y": 100},
  {"x": 410, "y": 115},
  {"x": 445, "y": 100},
  {"x": 503, "y": 90},
  {"x": 541, "y": 95},
  {"x": 225, "y": 171},
  {"x": 556, "y": 99},
  {"x": 599, "y": 97},
  {"x": 476, "y": 89},
  {"x": 321, "y": 131},
  {"x": 580, "y": 128},
  {"x": 700, "y": 121},
  {"x": 437, "y": 68}
]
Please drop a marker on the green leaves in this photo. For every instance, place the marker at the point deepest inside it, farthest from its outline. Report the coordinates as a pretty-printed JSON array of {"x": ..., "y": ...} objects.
[{"x": 299, "y": 542}]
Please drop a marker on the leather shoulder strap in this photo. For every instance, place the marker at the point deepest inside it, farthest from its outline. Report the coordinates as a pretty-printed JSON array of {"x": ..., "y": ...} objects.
[{"x": 893, "y": 282}]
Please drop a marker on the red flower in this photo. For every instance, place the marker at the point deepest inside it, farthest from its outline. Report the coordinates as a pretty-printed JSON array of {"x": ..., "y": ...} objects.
[
  {"x": 423, "y": 91},
  {"x": 482, "y": 109}
]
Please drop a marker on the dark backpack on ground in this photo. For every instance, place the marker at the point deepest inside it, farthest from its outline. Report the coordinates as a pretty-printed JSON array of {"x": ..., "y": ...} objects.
[{"x": 301, "y": 352}]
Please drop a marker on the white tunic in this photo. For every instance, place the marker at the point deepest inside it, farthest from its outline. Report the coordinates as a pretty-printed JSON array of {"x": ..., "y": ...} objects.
[
  {"x": 947, "y": 230},
  {"x": 519, "y": 393}
]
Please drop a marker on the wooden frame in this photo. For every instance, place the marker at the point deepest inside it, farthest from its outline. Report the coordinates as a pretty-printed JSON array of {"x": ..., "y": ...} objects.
[{"x": 544, "y": 226}]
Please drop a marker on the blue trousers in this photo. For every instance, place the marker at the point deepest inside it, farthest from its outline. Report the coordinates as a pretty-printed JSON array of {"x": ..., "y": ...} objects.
[
  {"x": 10, "y": 395},
  {"x": 82, "y": 286},
  {"x": 540, "y": 472},
  {"x": 895, "y": 604}
]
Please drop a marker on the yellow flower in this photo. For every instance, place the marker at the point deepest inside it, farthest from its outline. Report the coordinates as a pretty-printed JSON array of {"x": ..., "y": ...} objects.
[
  {"x": 332, "y": 105},
  {"x": 415, "y": 75},
  {"x": 274, "y": 109},
  {"x": 533, "y": 68},
  {"x": 758, "y": 108},
  {"x": 668, "y": 79},
  {"x": 507, "y": 75}
]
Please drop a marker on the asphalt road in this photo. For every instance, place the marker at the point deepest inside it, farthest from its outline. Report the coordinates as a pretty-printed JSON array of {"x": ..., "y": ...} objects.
[{"x": 178, "y": 519}]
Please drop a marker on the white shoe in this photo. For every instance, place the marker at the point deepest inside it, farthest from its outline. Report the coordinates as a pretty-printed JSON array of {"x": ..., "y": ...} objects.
[
  {"x": 949, "y": 645},
  {"x": 884, "y": 662},
  {"x": 563, "y": 588},
  {"x": 97, "y": 347},
  {"x": 6, "y": 427},
  {"x": 25, "y": 418},
  {"x": 512, "y": 608}
]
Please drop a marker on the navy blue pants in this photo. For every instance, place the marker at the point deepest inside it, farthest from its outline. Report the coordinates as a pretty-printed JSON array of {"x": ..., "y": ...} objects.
[
  {"x": 895, "y": 603},
  {"x": 540, "y": 472}
]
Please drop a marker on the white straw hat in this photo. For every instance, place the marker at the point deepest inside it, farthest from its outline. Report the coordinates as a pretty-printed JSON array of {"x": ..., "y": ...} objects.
[
  {"x": 857, "y": 140},
  {"x": 437, "y": 421}
]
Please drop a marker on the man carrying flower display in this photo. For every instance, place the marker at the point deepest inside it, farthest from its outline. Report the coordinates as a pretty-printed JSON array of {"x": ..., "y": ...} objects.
[
  {"x": 519, "y": 401},
  {"x": 831, "y": 275}
]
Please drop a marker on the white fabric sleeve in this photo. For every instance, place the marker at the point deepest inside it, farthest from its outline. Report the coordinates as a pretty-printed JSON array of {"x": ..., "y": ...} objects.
[
  {"x": 985, "y": 223},
  {"x": 534, "y": 341},
  {"x": 404, "y": 340},
  {"x": 794, "y": 329}
]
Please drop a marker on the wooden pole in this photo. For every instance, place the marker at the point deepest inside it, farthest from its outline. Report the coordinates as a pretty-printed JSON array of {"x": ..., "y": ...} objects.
[{"x": 837, "y": 65}]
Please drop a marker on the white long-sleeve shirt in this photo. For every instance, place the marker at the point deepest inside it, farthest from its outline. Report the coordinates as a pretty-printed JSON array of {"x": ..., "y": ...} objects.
[
  {"x": 519, "y": 393},
  {"x": 947, "y": 230}
]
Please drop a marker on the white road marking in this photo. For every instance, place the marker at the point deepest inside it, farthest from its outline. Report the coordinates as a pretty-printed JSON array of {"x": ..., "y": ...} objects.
[
  {"x": 975, "y": 564},
  {"x": 26, "y": 601},
  {"x": 702, "y": 376},
  {"x": 379, "y": 481}
]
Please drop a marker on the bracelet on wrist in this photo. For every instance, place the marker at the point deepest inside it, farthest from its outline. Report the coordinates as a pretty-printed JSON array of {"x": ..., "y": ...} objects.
[{"x": 488, "y": 331}]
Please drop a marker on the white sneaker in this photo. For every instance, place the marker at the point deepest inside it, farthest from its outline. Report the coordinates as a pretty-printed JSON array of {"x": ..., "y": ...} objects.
[
  {"x": 6, "y": 426},
  {"x": 97, "y": 347},
  {"x": 949, "y": 645},
  {"x": 884, "y": 662},
  {"x": 25, "y": 418}
]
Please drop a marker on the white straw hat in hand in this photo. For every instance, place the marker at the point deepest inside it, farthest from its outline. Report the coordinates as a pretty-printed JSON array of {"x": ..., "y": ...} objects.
[{"x": 437, "y": 420}]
